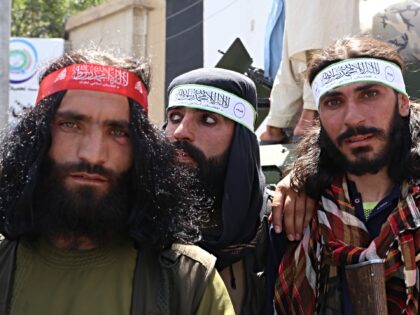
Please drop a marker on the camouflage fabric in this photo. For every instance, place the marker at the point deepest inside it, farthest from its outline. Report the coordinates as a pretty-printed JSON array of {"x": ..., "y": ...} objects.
[{"x": 399, "y": 24}]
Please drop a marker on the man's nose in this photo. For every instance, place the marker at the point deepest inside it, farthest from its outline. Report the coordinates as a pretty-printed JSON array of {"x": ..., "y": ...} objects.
[
  {"x": 185, "y": 131},
  {"x": 354, "y": 116},
  {"x": 92, "y": 148}
]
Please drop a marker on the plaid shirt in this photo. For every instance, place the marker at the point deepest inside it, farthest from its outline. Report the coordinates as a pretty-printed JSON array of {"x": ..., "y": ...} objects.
[{"x": 338, "y": 236}]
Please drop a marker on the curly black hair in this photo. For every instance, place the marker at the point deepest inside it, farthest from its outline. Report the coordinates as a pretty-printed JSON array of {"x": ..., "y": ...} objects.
[{"x": 164, "y": 201}]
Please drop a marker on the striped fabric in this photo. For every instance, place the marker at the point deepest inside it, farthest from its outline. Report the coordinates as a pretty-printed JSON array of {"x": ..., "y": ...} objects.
[{"x": 308, "y": 278}]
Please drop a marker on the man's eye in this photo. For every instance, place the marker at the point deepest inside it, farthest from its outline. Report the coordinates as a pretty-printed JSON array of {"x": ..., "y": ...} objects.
[
  {"x": 69, "y": 125},
  {"x": 209, "y": 120},
  {"x": 119, "y": 133},
  {"x": 175, "y": 117},
  {"x": 331, "y": 102},
  {"x": 371, "y": 93}
]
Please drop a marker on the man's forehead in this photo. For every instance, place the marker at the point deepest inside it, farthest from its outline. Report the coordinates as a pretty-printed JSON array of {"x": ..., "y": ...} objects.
[
  {"x": 97, "y": 104},
  {"x": 354, "y": 87},
  {"x": 195, "y": 110},
  {"x": 344, "y": 73}
]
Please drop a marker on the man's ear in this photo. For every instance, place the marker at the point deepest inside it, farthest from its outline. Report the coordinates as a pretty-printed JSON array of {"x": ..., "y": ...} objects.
[{"x": 403, "y": 105}]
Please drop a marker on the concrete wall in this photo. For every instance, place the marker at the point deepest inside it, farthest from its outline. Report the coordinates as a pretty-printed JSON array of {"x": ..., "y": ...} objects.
[{"x": 134, "y": 27}]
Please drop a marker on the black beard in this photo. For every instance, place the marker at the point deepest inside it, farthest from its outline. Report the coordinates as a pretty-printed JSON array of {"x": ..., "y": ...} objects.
[
  {"x": 210, "y": 172},
  {"x": 364, "y": 165},
  {"x": 80, "y": 212}
]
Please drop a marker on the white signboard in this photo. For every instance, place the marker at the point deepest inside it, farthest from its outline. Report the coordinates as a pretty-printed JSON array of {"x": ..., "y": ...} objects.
[{"x": 27, "y": 58}]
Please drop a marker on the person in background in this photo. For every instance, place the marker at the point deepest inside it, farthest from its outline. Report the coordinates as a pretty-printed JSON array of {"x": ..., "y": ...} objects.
[{"x": 309, "y": 27}]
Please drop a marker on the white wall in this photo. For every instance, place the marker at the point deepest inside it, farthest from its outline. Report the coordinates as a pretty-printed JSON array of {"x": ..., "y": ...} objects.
[{"x": 224, "y": 20}]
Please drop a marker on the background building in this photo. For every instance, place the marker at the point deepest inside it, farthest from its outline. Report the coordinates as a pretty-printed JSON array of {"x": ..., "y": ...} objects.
[{"x": 175, "y": 35}]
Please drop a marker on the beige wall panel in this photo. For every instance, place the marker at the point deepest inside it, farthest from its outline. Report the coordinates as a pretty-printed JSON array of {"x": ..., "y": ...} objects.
[{"x": 133, "y": 27}]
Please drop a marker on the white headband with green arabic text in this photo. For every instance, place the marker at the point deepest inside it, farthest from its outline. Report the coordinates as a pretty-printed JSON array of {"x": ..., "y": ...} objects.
[
  {"x": 357, "y": 70},
  {"x": 215, "y": 100}
]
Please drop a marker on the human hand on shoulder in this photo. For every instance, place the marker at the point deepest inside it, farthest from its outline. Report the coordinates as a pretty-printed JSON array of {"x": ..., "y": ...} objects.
[{"x": 291, "y": 210}]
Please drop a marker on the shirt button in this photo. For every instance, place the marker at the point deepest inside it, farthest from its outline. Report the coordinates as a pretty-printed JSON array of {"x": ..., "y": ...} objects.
[{"x": 357, "y": 200}]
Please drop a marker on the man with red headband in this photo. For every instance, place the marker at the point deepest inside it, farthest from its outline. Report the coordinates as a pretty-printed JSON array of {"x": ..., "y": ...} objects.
[{"x": 97, "y": 216}]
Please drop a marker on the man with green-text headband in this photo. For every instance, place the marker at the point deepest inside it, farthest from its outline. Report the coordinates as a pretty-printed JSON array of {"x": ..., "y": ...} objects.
[
  {"x": 210, "y": 120},
  {"x": 360, "y": 253}
]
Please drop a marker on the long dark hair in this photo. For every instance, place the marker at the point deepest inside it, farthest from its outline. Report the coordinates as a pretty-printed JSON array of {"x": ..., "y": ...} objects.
[
  {"x": 314, "y": 169},
  {"x": 163, "y": 204}
]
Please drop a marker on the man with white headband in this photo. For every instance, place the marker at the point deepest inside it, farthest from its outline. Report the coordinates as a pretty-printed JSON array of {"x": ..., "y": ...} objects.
[
  {"x": 210, "y": 120},
  {"x": 360, "y": 253},
  {"x": 97, "y": 216}
]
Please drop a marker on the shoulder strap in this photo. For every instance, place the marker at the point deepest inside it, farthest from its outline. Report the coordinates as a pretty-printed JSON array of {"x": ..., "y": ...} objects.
[
  {"x": 7, "y": 266},
  {"x": 195, "y": 253},
  {"x": 267, "y": 201},
  {"x": 190, "y": 271},
  {"x": 162, "y": 279}
]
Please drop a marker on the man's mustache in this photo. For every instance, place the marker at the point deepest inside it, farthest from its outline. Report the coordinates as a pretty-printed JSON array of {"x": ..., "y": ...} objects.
[
  {"x": 190, "y": 149},
  {"x": 83, "y": 167},
  {"x": 362, "y": 130}
]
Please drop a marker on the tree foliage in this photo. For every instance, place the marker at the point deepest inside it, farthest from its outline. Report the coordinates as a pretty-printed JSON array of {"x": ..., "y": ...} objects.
[{"x": 45, "y": 18}]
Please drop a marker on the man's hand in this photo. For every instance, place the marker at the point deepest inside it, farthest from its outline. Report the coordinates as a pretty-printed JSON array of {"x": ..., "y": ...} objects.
[{"x": 295, "y": 208}]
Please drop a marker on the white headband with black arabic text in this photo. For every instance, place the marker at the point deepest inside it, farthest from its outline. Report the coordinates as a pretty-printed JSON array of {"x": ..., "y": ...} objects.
[
  {"x": 357, "y": 70},
  {"x": 215, "y": 100}
]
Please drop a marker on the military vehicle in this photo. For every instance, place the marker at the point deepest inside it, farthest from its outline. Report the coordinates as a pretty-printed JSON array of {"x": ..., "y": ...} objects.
[
  {"x": 274, "y": 158},
  {"x": 399, "y": 24}
]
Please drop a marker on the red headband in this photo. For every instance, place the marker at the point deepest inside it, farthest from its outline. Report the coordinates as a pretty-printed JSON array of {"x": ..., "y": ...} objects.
[{"x": 94, "y": 77}]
